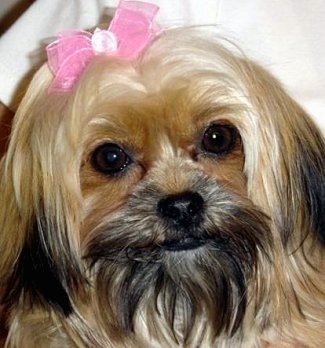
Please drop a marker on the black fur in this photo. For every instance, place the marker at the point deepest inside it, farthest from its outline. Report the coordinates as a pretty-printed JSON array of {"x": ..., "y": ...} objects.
[
  {"x": 37, "y": 275},
  {"x": 311, "y": 162}
]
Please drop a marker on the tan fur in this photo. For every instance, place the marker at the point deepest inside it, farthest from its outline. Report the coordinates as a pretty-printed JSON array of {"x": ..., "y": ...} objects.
[{"x": 158, "y": 107}]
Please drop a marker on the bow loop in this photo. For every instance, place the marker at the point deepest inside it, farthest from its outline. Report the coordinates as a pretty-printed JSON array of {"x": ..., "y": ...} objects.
[{"x": 133, "y": 25}]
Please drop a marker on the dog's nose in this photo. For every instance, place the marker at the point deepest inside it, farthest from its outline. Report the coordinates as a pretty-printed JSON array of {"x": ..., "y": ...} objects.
[{"x": 183, "y": 209}]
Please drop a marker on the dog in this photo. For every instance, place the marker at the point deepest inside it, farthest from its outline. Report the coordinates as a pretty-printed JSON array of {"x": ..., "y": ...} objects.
[{"x": 174, "y": 200}]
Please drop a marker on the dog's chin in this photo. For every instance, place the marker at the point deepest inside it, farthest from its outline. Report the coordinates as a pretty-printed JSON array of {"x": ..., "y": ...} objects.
[{"x": 179, "y": 281}]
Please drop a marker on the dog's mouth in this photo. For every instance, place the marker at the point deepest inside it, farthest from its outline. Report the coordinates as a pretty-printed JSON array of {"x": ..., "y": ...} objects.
[{"x": 187, "y": 243}]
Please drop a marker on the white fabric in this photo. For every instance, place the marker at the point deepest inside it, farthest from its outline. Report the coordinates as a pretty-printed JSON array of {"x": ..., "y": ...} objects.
[{"x": 286, "y": 36}]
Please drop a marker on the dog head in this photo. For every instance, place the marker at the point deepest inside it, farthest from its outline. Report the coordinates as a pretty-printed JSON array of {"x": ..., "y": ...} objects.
[{"x": 180, "y": 195}]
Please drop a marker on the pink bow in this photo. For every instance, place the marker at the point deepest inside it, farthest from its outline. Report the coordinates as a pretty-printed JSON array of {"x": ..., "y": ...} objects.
[{"x": 130, "y": 31}]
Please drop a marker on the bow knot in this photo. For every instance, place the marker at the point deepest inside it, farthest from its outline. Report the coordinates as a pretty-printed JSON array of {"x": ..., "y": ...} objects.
[{"x": 104, "y": 41}]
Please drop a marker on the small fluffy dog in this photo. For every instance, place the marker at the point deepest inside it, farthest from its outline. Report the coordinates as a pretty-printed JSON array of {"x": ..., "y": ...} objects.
[{"x": 175, "y": 200}]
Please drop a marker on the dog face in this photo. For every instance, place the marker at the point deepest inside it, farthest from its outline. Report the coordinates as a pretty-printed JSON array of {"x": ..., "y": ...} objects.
[
  {"x": 178, "y": 185},
  {"x": 174, "y": 199}
]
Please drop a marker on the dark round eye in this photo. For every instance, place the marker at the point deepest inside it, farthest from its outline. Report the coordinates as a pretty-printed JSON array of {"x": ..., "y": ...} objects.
[
  {"x": 110, "y": 159},
  {"x": 219, "y": 139}
]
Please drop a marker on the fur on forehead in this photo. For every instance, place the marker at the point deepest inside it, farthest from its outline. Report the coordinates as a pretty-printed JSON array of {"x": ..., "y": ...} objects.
[{"x": 179, "y": 63}]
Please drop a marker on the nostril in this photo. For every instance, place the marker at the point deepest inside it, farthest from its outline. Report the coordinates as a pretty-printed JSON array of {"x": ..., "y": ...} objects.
[
  {"x": 183, "y": 208},
  {"x": 195, "y": 206}
]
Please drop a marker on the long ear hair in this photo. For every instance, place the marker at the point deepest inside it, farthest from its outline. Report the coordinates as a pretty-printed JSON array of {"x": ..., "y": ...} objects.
[
  {"x": 39, "y": 214},
  {"x": 288, "y": 167}
]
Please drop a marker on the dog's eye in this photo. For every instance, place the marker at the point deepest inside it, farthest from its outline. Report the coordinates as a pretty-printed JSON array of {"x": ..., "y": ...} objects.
[
  {"x": 219, "y": 139},
  {"x": 110, "y": 159}
]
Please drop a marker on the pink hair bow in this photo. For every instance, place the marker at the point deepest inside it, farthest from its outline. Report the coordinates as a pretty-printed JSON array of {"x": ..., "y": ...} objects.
[{"x": 130, "y": 31}]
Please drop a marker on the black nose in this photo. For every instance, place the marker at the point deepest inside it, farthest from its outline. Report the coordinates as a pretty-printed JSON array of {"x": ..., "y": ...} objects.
[{"x": 183, "y": 209}]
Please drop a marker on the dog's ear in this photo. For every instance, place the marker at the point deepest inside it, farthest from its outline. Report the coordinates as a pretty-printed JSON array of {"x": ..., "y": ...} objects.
[
  {"x": 286, "y": 172},
  {"x": 310, "y": 164},
  {"x": 39, "y": 214}
]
